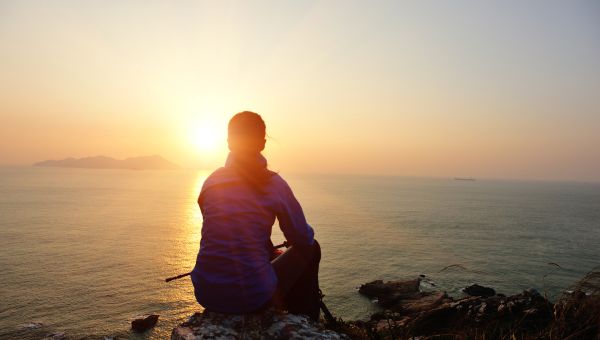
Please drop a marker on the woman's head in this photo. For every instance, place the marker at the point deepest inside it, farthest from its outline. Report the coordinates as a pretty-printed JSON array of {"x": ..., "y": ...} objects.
[
  {"x": 246, "y": 139},
  {"x": 246, "y": 133}
]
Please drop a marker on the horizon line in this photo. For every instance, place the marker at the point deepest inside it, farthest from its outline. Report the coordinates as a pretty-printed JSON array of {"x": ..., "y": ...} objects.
[{"x": 349, "y": 174}]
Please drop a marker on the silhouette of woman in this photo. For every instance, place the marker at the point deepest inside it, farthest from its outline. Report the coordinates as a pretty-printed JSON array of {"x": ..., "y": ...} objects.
[{"x": 239, "y": 203}]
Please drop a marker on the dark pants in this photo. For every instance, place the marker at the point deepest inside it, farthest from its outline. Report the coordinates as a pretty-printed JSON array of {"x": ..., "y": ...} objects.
[{"x": 297, "y": 271}]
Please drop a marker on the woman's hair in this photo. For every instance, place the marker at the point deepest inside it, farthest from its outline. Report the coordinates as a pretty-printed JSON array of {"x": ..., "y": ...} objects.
[
  {"x": 247, "y": 129},
  {"x": 246, "y": 138}
]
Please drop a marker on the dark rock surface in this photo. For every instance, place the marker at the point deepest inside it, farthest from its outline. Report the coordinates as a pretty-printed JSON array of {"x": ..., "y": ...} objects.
[
  {"x": 389, "y": 294},
  {"x": 143, "y": 324},
  {"x": 269, "y": 324},
  {"x": 477, "y": 290}
]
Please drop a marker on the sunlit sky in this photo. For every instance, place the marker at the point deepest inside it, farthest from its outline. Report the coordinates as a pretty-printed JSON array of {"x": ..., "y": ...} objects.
[{"x": 504, "y": 89}]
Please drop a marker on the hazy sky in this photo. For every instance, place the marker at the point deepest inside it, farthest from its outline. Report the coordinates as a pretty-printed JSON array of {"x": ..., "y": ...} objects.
[{"x": 507, "y": 89}]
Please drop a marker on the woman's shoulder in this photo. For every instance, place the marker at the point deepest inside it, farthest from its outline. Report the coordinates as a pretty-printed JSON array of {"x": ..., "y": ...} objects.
[
  {"x": 276, "y": 178},
  {"x": 219, "y": 176},
  {"x": 278, "y": 183}
]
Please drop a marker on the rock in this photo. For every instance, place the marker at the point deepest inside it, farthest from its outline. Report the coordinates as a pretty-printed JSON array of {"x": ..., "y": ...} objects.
[
  {"x": 270, "y": 324},
  {"x": 378, "y": 288},
  {"x": 143, "y": 324},
  {"x": 434, "y": 320},
  {"x": 389, "y": 293},
  {"x": 477, "y": 290},
  {"x": 482, "y": 308},
  {"x": 531, "y": 292},
  {"x": 501, "y": 308}
]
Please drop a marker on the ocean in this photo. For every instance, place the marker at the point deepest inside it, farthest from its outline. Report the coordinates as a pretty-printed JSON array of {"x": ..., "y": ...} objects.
[{"x": 84, "y": 251}]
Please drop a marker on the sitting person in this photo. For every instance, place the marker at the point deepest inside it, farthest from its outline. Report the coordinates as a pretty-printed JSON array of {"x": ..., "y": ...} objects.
[{"x": 234, "y": 273}]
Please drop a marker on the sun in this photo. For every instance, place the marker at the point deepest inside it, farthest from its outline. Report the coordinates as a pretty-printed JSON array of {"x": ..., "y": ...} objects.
[{"x": 207, "y": 137}]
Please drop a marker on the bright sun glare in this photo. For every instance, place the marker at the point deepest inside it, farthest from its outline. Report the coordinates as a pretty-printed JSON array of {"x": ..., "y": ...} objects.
[{"x": 207, "y": 137}]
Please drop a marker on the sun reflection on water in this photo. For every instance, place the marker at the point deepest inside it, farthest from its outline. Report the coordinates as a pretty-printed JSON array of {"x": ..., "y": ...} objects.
[
  {"x": 178, "y": 295},
  {"x": 195, "y": 191},
  {"x": 190, "y": 238}
]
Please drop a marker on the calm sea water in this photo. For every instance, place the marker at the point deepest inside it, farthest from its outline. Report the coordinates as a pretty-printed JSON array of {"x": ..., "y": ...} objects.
[{"x": 84, "y": 251}]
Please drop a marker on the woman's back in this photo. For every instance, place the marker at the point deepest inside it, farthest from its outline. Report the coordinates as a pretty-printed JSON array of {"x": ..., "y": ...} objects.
[{"x": 233, "y": 273}]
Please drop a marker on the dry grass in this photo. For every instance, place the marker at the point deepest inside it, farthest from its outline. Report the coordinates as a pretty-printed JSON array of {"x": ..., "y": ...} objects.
[{"x": 577, "y": 315}]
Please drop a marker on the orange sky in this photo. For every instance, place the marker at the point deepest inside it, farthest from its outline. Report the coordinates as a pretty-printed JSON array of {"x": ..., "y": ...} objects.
[{"x": 500, "y": 89}]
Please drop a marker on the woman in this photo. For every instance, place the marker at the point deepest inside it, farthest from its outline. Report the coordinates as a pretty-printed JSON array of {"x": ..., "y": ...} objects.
[{"x": 239, "y": 203}]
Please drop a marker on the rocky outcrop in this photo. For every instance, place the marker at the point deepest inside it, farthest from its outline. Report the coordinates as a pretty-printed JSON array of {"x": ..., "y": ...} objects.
[
  {"x": 269, "y": 324},
  {"x": 407, "y": 311}
]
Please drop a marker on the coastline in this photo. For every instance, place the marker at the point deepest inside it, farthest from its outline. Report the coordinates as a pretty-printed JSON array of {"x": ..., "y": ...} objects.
[
  {"x": 408, "y": 312},
  {"x": 406, "y": 309}
]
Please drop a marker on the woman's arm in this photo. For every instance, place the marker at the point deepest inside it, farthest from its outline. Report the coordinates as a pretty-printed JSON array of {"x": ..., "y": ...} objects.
[{"x": 291, "y": 218}]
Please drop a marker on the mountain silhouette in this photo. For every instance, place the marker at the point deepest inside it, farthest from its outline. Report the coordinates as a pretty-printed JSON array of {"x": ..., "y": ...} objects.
[{"x": 103, "y": 162}]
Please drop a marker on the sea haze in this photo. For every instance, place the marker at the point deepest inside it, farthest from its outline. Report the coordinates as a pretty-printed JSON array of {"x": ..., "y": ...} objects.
[{"x": 83, "y": 251}]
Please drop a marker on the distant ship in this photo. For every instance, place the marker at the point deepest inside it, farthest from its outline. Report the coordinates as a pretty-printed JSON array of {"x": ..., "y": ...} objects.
[{"x": 464, "y": 178}]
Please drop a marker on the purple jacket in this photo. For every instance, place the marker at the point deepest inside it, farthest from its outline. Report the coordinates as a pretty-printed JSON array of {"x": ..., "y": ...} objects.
[{"x": 233, "y": 273}]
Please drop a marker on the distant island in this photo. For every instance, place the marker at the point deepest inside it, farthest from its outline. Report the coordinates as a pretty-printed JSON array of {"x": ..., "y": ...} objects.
[{"x": 102, "y": 162}]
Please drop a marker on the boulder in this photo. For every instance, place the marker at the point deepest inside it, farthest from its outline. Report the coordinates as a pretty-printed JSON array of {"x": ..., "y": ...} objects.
[
  {"x": 477, "y": 290},
  {"x": 270, "y": 324},
  {"x": 390, "y": 293},
  {"x": 145, "y": 323}
]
